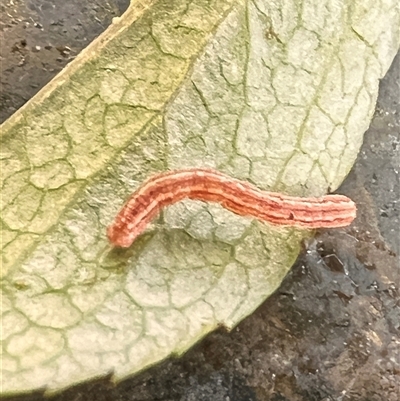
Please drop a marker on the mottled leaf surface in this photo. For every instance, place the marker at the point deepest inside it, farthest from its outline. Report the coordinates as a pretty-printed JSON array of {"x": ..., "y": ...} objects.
[{"x": 278, "y": 93}]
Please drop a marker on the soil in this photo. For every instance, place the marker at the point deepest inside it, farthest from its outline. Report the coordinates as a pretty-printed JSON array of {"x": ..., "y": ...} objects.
[{"x": 331, "y": 331}]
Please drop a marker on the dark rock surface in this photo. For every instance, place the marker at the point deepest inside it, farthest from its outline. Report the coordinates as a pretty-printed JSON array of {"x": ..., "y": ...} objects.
[{"x": 332, "y": 330}]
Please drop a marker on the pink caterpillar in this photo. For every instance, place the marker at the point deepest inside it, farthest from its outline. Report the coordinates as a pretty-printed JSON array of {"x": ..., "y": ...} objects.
[{"x": 237, "y": 196}]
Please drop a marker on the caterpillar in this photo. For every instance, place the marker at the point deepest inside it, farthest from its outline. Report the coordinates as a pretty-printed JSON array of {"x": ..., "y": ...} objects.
[{"x": 235, "y": 195}]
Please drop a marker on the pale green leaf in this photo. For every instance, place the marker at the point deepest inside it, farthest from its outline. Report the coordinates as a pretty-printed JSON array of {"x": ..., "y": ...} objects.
[{"x": 278, "y": 93}]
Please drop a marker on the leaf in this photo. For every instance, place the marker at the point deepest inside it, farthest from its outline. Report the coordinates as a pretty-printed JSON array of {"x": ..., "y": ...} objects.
[{"x": 277, "y": 93}]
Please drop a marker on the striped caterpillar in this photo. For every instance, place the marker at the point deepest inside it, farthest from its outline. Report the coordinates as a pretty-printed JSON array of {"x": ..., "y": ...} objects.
[{"x": 237, "y": 196}]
